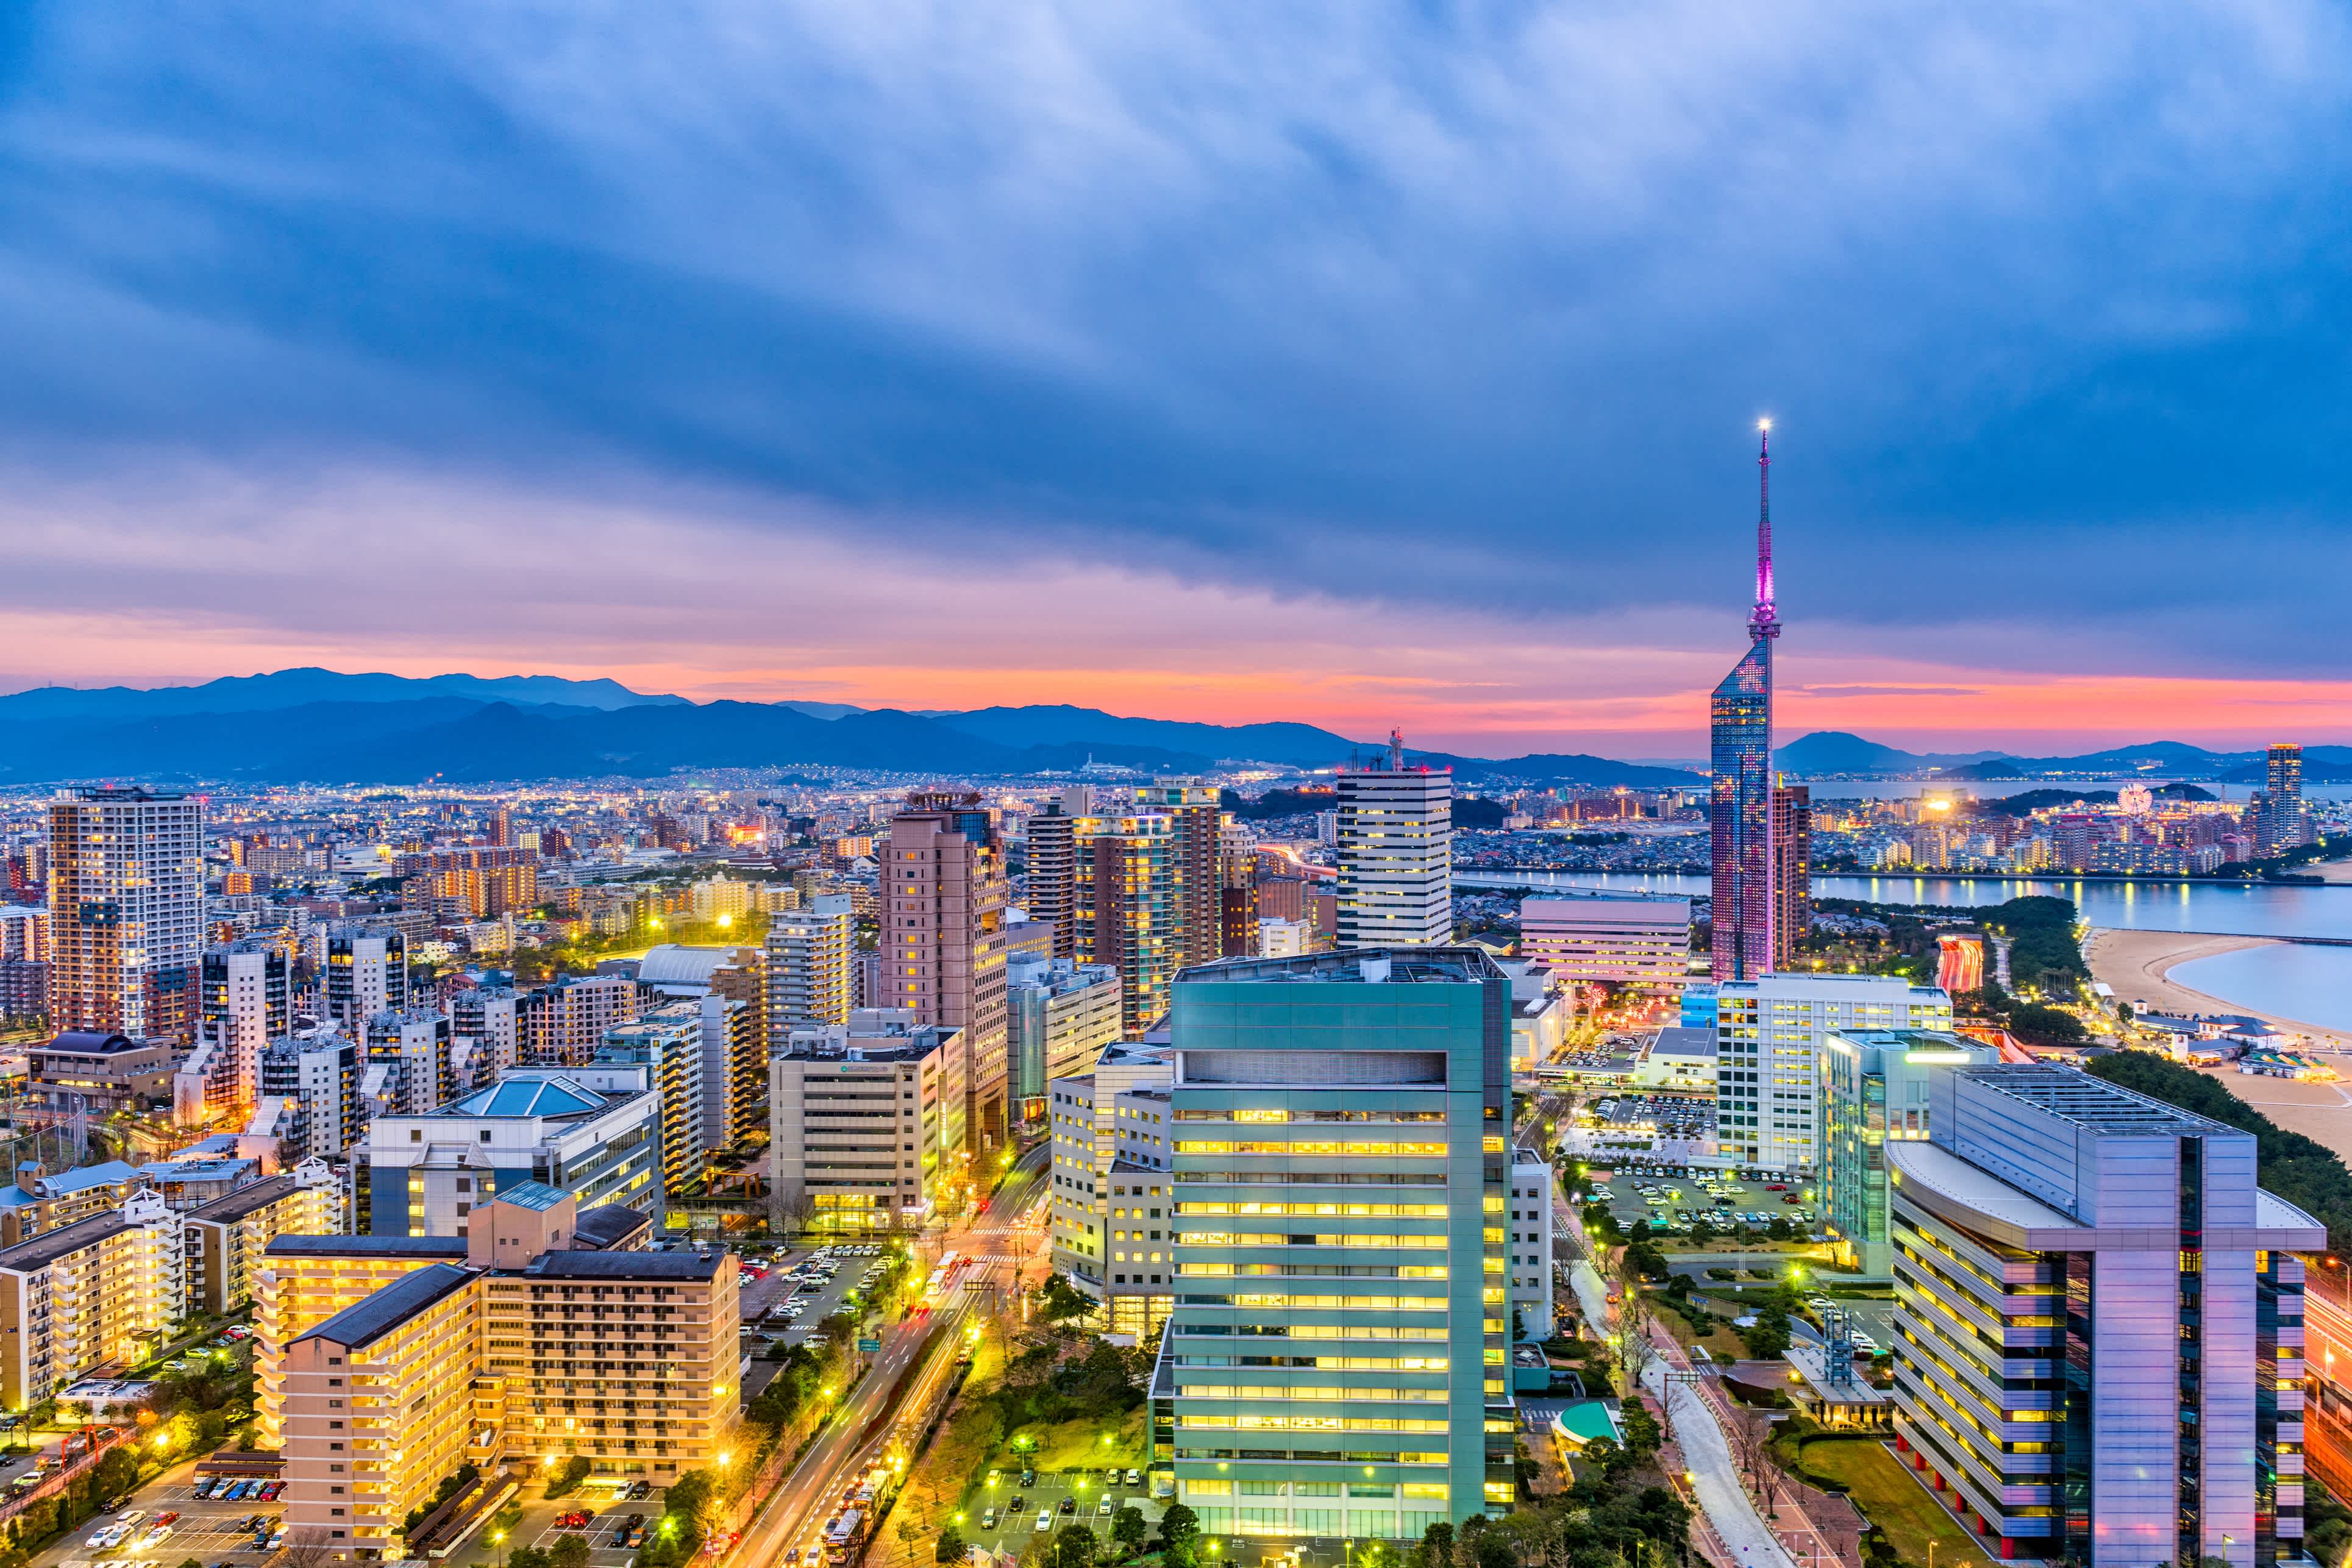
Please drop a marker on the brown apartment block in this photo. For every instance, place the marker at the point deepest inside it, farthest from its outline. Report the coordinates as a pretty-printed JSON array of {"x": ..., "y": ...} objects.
[
  {"x": 942, "y": 940},
  {"x": 1191, "y": 807},
  {"x": 532, "y": 1342}
]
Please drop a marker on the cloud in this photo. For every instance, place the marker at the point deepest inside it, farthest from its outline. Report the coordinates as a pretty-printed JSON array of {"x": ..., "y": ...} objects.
[{"x": 1437, "y": 319}]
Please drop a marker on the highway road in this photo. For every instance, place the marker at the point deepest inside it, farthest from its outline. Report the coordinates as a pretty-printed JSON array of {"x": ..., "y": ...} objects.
[{"x": 917, "y": 1353}]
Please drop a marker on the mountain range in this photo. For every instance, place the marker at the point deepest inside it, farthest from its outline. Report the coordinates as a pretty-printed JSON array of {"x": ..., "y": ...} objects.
[
  {"x": 323, "y": 726},
  {"x": 1830, "y": 753}
]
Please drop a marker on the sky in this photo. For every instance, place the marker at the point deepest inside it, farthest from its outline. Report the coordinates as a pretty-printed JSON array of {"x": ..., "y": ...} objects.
[{"x": 1353, "y": 364}]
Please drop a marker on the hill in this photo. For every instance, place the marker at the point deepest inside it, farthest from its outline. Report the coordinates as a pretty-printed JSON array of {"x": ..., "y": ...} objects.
[{"x": 1832, "y": 751}]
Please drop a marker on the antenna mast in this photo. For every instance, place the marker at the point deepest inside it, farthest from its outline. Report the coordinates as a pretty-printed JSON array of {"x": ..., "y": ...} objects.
[{"x": 1765, "y": 620}]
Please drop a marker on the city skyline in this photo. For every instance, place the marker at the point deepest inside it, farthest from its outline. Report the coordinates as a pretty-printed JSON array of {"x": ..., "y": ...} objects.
[{"x": 1222, "y": 373}]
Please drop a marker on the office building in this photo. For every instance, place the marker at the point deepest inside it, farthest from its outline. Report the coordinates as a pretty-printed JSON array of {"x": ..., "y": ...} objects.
[
  {"x": 1876, "y": 1090},
  {"x": 314, "y": 1083},
  {"x": 562, "y": 1024},
  {"x": 1053, "y": 873},
  {"x": 942, "y": 942},
  {"x": 1196, "y": 825},
  {"x": 101, "y": 1072},
  {"x": 366, "y": 973},
  {"x": 1770, "y": 1035},
  {"x": 1528, "y": 1241},
  {"x": 809, "y": 952},
  {"x": 126, "y": 913},
  {"x": 1062, "y": 1014},
  {"x": 1237, "y": 906},
  {"x": 2098, "y": 1324},
  {"x": 594, "y": 1133},
  {"x": 102, "y": 1289},
  {"x": 228, "y": 1237},
  {"x": 1792, "y": 871},
  {"x": 1129, "y": 910},
  {"x": 1284, "y": 939},
  {"x": 1633, "y": 942},
  {"x": 1337, "y": 1362},
  {"x": 1739, "y": 800},
  {"x": 1395, "y": 838},
  {"x": 865, "y": 1125},
  {"x": 1113, "y": 1185}
]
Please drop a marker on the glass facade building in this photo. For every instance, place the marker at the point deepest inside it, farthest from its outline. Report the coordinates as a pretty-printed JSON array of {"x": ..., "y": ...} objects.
[
  {"x": 1336, "y": 1362},
  {"x": 1875, "y": 1088},
  {"x": 1739, "y": 814}
]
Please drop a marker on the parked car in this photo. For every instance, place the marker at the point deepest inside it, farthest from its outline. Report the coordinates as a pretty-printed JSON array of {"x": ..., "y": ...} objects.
[
  {"x": 1104, "y": 1508},
  {"x": 1044, "y": 1521},
  {"x": 1134, "y": 1478},
  {"x": 988, "y": 1517}
]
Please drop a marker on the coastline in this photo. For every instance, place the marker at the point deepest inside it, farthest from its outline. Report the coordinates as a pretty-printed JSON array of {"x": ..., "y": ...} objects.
[{"x": 2136, "y": 965}]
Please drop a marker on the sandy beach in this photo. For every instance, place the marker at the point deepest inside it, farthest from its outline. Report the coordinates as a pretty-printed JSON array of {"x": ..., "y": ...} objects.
[{"x": 2135, "y": 966}]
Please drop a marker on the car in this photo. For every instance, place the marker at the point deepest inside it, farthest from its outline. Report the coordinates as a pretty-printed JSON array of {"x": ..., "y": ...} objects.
[
  {"x": 1792, "y": 1199},
  {"x": 988, "y": 1517},
  {"x": 168, "y": 1516},
  {"x": 204, "y": 1486},
  {"x": 271, "y": 1492},
  {"x": 131, "y": 1516},
  {"x": 793, "y": 1558},
  {"x": 994, "y": 1476},
  {"x": 1104, "y": 1508},
  {"x": 277, "y": 1540},
  {"x": 640, "y": 1490},
  {"x": 102, "y": 1538},
  {"x": 1018, "y": 1504},
  {"x": 1069, "y": 1505},
  {"x": 156, "y": 1533},
  {"x": 1028, "y": 1477},
  {"x": 621, "y": 1537},
  {"x": 1134, "y": 1478},
  {"x": 1044, "y": 1521}
]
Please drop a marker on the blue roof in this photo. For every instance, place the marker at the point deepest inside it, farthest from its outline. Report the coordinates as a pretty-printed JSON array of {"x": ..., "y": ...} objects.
[
  {"x": 110, "y": 1173},
  {"x": 522, "y": 1097},
  {"x": 530, "y": 1196}
]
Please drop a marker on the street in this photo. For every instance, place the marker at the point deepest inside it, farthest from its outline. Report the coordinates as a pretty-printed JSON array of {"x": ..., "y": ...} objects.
[{"x": 920, "y": 1350}]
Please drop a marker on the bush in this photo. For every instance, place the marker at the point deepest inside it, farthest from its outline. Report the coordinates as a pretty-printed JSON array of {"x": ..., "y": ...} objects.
[{"x": 566, "y": 1476}]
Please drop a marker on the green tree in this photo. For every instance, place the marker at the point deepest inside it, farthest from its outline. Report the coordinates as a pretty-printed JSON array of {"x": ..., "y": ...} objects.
[
  {"x": 116, "y": 1472},
  {"x": 529, "y": 1557},
  {"x": 1058, "y": 1300},
  {"x": 1127, "y": 1529},
  {"x": 1436, "y": 1547},
  {"x": 951, "y": 1547},
  {"x": 1074, "y": 1546},
  {"x": 1180, "y": 1526},
  {"x": 569, "y": 1552}
]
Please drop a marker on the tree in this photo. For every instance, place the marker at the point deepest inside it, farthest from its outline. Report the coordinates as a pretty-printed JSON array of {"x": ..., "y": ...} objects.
[
  {"x": 951, "y": 1547},
  {"x": 1179, "y": 1526},
  {"x": 1073, "y": 1547},
  {"x": 529, "y": 1557},
  {"x": 116, "y": 1472},
  {"x": 569, "y": 1552},
  {"x": 1702, "y": 1230},
  {"x": 1437, "y": 1548},
  {"x": 1127, "y": 1529},
  {"x": 1059, "y": 1299}
]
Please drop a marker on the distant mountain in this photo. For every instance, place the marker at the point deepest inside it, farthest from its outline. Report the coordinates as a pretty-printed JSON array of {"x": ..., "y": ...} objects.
[
  {"x": 1555, "y": 768},
  {"x": 1829, "y": 752},
  {"x": 296, "y": 687},
  {"x": 1293, "y": 745}
]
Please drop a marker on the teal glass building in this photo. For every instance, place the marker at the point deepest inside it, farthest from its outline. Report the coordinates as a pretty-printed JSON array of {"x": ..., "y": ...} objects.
[{"x": 1336, "y": 1362}]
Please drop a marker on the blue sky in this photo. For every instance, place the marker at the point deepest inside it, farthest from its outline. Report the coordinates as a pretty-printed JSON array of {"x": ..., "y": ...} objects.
[{"x": 1319, "y": 361}]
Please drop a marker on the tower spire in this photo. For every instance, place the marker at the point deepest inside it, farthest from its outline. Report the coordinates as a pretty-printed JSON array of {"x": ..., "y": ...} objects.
[{"x": 1764, "y": 621}]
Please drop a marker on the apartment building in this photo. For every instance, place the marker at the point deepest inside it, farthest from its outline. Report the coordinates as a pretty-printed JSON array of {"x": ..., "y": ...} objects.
[
  {"x": 310, "y": 1092},
  {"x": 228, "y": 1237},
  {"x": 1770, "y": 1038},
  {"x": 594, "y": 1133},
  {"x": 73, "y": 1298},
  {"x": 1336, "y": 1363},
  {"x": 865, "y": 1125},
  {"x": 1128, "y": 905},
  {"x": 561, "y": 1025},
  {"x": 409, "y": 1067},
  {"x": 303, "y": 1280},
  {"x": 126, "y": 913},
  {"x": 2098, "y": 1328},
  {"x": 366, "y": 971},
  {"x": 809, "y": 952},
  {"x": 668, "y": 1045},
  {"x": 942, "y": 900}
]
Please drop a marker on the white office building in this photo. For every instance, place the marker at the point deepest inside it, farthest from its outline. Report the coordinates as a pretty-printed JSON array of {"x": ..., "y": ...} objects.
[
  {"x": 1617, "y": 940},
  {"x": 1395, "y": 838},
  {"x": 1771, "y": 1035},
  {"x": 1529, "y": 1254}
]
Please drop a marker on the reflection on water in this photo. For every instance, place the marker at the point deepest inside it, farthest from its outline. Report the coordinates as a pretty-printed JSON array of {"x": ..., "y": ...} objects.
[{"x": 2312, "y": 983}]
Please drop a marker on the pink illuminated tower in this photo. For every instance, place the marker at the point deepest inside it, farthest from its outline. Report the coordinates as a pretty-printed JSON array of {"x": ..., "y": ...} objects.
[{"x": 1740, "y": 799}]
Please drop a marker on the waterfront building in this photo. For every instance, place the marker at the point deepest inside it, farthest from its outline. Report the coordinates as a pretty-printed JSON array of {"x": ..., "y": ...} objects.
[
  {"x": 808, "y": 966},
  {"x": 865, "y": 1125},
  {"x": 1770, "y": 1035},
  {"x": 1061, "y": 1015},
  {"x": 2098, "y": 1339},
  {"x": 942, "y": 942},
  {"x": 1612, "y": 939},
  {"x": 1395, "y": 838},
  {"x": 594, "y": 1133},
  {"x": 1740, "y": 800},
  {"x": 126, "y": 913},
  {"x": 1336, "y": 1361},
  {"x": 1876, "y": 1089}
]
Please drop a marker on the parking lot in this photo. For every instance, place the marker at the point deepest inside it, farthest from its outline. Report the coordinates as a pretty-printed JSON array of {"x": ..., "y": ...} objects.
[
  {"x": 1015, "y": 1528},
  {"x": 609, "y": 1514},
  {"x": 818, "y": 1300},
  {"x": 1665, "y": 1115},
  {"x": 1667, "y": 1198},
  {"x": 208, "y": 1529}
]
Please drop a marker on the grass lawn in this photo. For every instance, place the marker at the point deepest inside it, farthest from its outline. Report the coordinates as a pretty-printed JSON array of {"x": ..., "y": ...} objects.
[
  {"x": 1894, "y": 1499},
  {"x": 1078, "y": 1445},
  {"x": 1719, "y": 1341}
]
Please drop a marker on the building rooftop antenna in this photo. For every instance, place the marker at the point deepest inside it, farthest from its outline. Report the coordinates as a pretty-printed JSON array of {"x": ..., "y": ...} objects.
[
  {"x": 1765, "y": 620},
  {"x": 1396, "y": 749}
]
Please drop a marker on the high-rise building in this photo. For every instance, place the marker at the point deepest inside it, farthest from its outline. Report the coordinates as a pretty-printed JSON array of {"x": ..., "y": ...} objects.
[
  {"x": 561, "y": 1025},
  {"x": 408, "y": 1070},
  {"x": 1111, "y": 1211},
  {"x": 1792, "y": 871},
  {"x": 866, "y": 1122},
  {"x": 367, "y": 972},
  {"x": 107, "y": 1288},
  {"x": 126, "y": 912},
  {"x": 1384, "y": 1074},
  {"x": 2098, "y": 1323},
  {"x": 316, "y": 1082},
  {"x": 1198, "y": 824},
  {"x": 1060, "y": 1015},
  {"x": 1770, "y": 1035},
  {"x": 1396, "y": 854},
  {"x": 1617, "y": 940},
  {"x": 1237, "y": 907},
  {"x": 2282, "y": 816},
  {"x": 942, "y": 940},
  {"x": 808, "y": 966},
  {"x": 1740, "y": 803},
  {"x": 246, "y": 1003},
  {"x": 1876, "y": 1089},
  {"x": 1053, "y": 875},
  {"x": 665, "y": 1042},
  {"x": 1128, "y": 912}
]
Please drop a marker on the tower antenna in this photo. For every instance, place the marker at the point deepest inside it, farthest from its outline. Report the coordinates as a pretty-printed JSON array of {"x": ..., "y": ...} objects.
[
  {"x": 1765, "y": 620},
  {"x": 1396, "y": 749}
]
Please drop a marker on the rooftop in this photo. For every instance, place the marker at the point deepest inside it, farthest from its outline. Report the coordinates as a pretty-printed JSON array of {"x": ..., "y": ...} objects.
[
  {"x": 2096, "y": 1106},
  {"x": 607, "y": 1226},
  {"x": 1368, "y": 965},
  {"x": 365, "y": 1321},
  {"x": 251, "y": 1198},
  {"x": 448, "y": 1247},
  {"x": 537, "y": 1197},
  {"x": 46, "y": 1248},
  {"x": 579, "y": 1265},
  {"x": 519, "y": 1096}
]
